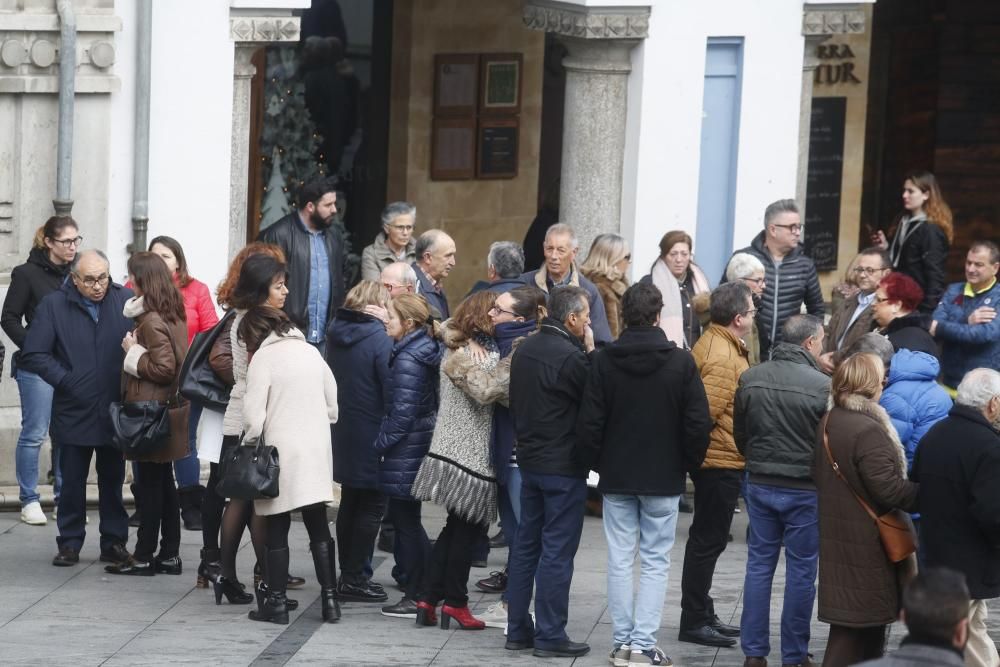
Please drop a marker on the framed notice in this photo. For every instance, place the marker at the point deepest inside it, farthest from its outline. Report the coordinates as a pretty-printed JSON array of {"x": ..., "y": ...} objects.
[
  {"x": 456, "y": 84},
  {"x": 497, "y": 152},
  {"x": 453, "y": 149},
  {"x": 500, "y": 83}
]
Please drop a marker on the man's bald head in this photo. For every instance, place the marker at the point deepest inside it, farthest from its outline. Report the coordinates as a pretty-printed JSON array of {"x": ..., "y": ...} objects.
[
  {"x": 399, "y": 278},
  {"x": 435, "y": 254}
]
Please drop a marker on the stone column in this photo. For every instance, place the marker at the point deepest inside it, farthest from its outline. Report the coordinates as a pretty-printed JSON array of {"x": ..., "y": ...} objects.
[
  {"x": 818, "y": 25},
  {"x": 249, "y": 33},
  {"x": 600, "y": 42}
]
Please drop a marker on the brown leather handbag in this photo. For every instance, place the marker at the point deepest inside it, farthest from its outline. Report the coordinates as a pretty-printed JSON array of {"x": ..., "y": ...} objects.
[{"x": 895, "y": 528}]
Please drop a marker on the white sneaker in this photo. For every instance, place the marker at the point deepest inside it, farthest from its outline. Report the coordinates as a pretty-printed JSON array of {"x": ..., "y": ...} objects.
[
  {"x": 495, "y": 616},
  {"x": 33, "y": 515}
]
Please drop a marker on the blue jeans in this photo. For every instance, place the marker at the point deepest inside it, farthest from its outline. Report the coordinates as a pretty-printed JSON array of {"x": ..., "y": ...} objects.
[
  {"x": 547, "y": 540},
  {"x": 510, "y": 510},
  {"x": 777, "y": 515},
  {"x": 188, "y": 469},
  {"x": 649, "y": 523},
  {"x": 36, "y": 408}
]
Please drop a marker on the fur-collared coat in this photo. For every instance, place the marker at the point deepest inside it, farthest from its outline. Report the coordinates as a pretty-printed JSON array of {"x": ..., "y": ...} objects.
[{"x": 858, "y": 585}]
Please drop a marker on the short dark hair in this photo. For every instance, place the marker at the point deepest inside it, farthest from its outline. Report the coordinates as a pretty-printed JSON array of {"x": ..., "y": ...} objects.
[
  {"x": 935, "y": 602},
  {"x": 529, "y": 301},
  {"x": 314, "y": 190},
  {"x": 566, "y": 300},
  {"x": 988, "y": 246},
  {"x": 799, "y": 327},
  {"x": 641, "y": 303},
  {"x": 875, "y": 251},
  {"x": 174, "y": 246},
  {"x": 728, "y": 301}
]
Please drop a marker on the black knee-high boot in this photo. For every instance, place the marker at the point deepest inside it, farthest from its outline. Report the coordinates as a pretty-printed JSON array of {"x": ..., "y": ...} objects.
[
  {"x": 272, "y": 605},
  {"x": 323, "y": 553}
]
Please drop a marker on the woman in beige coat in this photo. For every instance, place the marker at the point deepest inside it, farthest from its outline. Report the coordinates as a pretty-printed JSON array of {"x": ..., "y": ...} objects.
[{"x": 290, "y": 402}]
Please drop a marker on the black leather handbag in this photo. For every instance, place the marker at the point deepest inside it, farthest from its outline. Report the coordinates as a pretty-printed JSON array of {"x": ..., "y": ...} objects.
[
  {"x": 198, "y": 382},
  {"x": 140, "y": 427},
  {"x": 249, "y": 473}
]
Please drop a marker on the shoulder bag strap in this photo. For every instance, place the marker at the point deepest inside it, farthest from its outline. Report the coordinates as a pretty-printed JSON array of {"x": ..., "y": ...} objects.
[{"x": 836, "y": 469}]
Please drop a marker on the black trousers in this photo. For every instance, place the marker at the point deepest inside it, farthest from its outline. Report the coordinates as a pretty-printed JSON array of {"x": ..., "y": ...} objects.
[
  {"x": 849, "y": 646},
  {"x": 716, "y": 491},
  {"x": 412, "y": 549},
  {"x": 447, "y": 573},
  {"x": 74, "y": 461},
  {"x": 314, "y": 518},
  {"x": 160, "y": 511},
  {"x": 358, "y": 521}
]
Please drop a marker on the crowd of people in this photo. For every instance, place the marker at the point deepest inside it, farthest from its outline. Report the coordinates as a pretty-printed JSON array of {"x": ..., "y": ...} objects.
[{"x": 501, "y": 406}]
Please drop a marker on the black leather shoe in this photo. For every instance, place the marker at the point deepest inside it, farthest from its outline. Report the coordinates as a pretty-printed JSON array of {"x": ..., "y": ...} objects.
[
  {"x": 519, "y": 645},
  {"x": 567, "y": 649},
  {"x": 706, "y": 635},
  {"x": 131, "y": 567},
  {"x": 352, "y": 593},
  {"x": 116, "y": 554},
  {"x": 723, "y": 629},
  {"x": 498, "y": 541},
  {"x": 495, "y": 583},
  {"x": 377, "y": 589},
  {"x": 66, "y": 557},
  {"x": 167, "y": 565},
  {"x": 405, "y": 608}
]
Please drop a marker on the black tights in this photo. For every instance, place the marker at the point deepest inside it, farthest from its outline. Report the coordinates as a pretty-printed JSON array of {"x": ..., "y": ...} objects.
[
  {"x": 232, "y": 519},
  {"x": 313, "y": 516}
]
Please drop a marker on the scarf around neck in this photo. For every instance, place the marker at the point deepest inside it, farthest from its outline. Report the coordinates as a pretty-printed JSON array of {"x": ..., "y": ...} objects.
[{"x": 671, "y": 315}]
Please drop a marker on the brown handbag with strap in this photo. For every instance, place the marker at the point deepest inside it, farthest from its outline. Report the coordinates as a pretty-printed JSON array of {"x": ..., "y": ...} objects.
[{"x": 895, "y": 528}]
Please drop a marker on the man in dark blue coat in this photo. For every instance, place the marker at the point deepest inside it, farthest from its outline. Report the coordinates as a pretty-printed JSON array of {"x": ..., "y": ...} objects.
[
  {"x": 504, "y": 266},
  {"x": 435, "y": 260},
  {"x": 75, "y": 344}
]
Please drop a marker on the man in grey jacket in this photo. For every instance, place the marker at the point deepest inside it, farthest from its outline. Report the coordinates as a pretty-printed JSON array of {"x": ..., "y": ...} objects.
[{"x": 778, "y": 406}]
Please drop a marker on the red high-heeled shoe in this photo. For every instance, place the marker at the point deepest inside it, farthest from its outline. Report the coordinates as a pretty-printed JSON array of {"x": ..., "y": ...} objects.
[
  {"x": 465, "y": 619},
  {"x": 426, "y": 614}
]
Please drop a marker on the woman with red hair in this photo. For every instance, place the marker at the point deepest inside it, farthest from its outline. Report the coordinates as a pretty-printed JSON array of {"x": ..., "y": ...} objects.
[{"x": 896, "y": 301}]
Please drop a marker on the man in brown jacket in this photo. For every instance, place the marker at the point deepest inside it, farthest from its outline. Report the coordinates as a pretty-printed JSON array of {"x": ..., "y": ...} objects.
[
  {"x": 855, "y": 315},
  {"x": 721, "y": 357}
]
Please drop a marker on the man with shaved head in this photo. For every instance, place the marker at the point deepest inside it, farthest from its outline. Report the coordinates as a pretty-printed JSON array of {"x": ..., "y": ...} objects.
[{"x": 75, "y": 344}]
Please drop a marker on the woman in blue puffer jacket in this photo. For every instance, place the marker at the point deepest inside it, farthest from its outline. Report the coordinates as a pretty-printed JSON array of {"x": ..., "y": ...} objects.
[
  {"x": 913, "y": 398},
  {"x": 407, "y": 428}
]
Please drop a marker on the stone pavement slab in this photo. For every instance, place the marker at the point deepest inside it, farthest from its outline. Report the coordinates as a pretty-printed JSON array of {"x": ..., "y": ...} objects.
[{"x": 82, "y": 616}]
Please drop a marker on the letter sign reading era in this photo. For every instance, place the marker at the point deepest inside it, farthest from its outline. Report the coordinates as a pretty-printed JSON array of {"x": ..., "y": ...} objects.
[{"x": 828, "y": 74}]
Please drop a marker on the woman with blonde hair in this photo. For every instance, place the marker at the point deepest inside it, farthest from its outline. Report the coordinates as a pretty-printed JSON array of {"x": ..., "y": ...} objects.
[
  {"x": 921, "y": 236},
  {"x": 605, "y": 266},
  {"x": 859, "y": 587},
  {"x": 357, "y": 351},
  {"x": 684, "y": 287}
]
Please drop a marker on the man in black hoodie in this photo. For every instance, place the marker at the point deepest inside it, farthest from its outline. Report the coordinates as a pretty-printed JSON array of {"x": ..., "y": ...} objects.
[{"x": 644, "y": 422}]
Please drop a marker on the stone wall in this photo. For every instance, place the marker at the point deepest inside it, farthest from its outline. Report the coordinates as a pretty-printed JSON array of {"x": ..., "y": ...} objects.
[{"x": 475, "y": 212}]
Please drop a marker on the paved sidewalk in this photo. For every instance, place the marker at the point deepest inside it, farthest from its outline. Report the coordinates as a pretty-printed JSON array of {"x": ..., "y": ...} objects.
[{"x": 82, "y": 616}]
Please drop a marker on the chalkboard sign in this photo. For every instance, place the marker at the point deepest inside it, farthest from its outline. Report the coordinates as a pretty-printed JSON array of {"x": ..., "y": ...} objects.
[{"x": 825, "y": 171}]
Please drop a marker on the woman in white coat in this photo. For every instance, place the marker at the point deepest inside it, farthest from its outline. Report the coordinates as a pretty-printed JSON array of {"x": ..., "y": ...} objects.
[{"x": 291, "y": 400}]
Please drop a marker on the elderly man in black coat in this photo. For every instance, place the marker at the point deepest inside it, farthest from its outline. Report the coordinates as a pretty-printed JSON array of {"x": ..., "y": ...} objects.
[
  {"x": 75, "y": 344},
  {"x": 958, "y": 468}
]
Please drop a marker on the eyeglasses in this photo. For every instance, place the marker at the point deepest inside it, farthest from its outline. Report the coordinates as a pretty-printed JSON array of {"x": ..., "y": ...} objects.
[
  {"x": 755, "y": 281},
  {"x": 749, "y": 313},
  {"x": 867, "y": 270},
  {"x": 497, "y": 309},
  {"x": 882, "y": 299},
  {"x": 68, "y": 243},
  {"x": 794, "y": 229},
  {"x": 392, "y": 286},
  {"x": 103, "y": 279},
  {"x": 402, "y": 228}
]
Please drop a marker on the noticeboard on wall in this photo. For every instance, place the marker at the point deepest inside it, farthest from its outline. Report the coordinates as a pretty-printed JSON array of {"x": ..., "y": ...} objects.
[
  {"x": 497, "y": 148},
  {"x": 823, "y": 181}
]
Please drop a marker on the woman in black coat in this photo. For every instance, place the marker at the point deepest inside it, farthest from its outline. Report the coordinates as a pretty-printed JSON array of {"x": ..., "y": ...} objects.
[
  {"x": 923, "y": 232},
  {"x": 357, "y": 350},
  {"x": 48, "y": 262},
  {"x": 407, "y": 427},
  {"x": 896, "y": 299}
]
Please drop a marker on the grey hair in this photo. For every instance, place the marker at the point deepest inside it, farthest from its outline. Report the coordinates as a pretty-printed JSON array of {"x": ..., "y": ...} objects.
[
  {"x": 872, "y": 343},
  {"x": 396, "y": 209},
  {"x": 798, "y": 328},
  {"x": 743, "y": 265},
  {"x": 75, "y": 264},
  {"x": 566, "y": 300},
  {"x": 978, "y": 387},
  {"x": 563, "y": 228},
  {"x": 403, "y": 272},
  {"x": 774, "y": 209},
  {"x": 506, "y": 258},
  {"x": 427, "y": 241}
]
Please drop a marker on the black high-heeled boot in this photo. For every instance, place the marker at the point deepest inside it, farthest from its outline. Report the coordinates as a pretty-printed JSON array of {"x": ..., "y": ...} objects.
[
  {"x": 232, "y": 590},
  {"x": 272, "y": 606},
  {"x": 326, "y": 574},
  {"x": 210, "y": 567}
]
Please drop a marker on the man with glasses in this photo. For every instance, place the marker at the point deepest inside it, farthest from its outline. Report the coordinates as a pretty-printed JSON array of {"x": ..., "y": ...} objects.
[
  {"x": 394, "y": 243},
  {"x": 790, "y": 276},
  {"x": 75, "y": 344},
  {"x": 855, "y": 316},
  {"x": 721, "y": 357}
]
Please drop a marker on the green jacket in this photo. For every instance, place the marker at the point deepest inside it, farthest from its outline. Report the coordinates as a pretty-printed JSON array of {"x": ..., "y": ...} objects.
[{"x": 777, "y": 408}]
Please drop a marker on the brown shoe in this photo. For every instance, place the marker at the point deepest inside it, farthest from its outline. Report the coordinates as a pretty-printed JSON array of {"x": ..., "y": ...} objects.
[{"x": 755, "y": 662}]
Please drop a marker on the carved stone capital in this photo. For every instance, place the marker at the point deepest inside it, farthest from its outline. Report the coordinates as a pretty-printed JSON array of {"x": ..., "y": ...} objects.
[
  {"x": 833, "y": 22},
  {"x": 264, "y": 29},
  {"x": 586, "y": 22}
]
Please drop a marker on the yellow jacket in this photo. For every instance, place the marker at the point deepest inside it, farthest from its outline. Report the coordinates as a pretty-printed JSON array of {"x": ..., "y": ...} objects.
[{"x": 721, "y": 359}]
